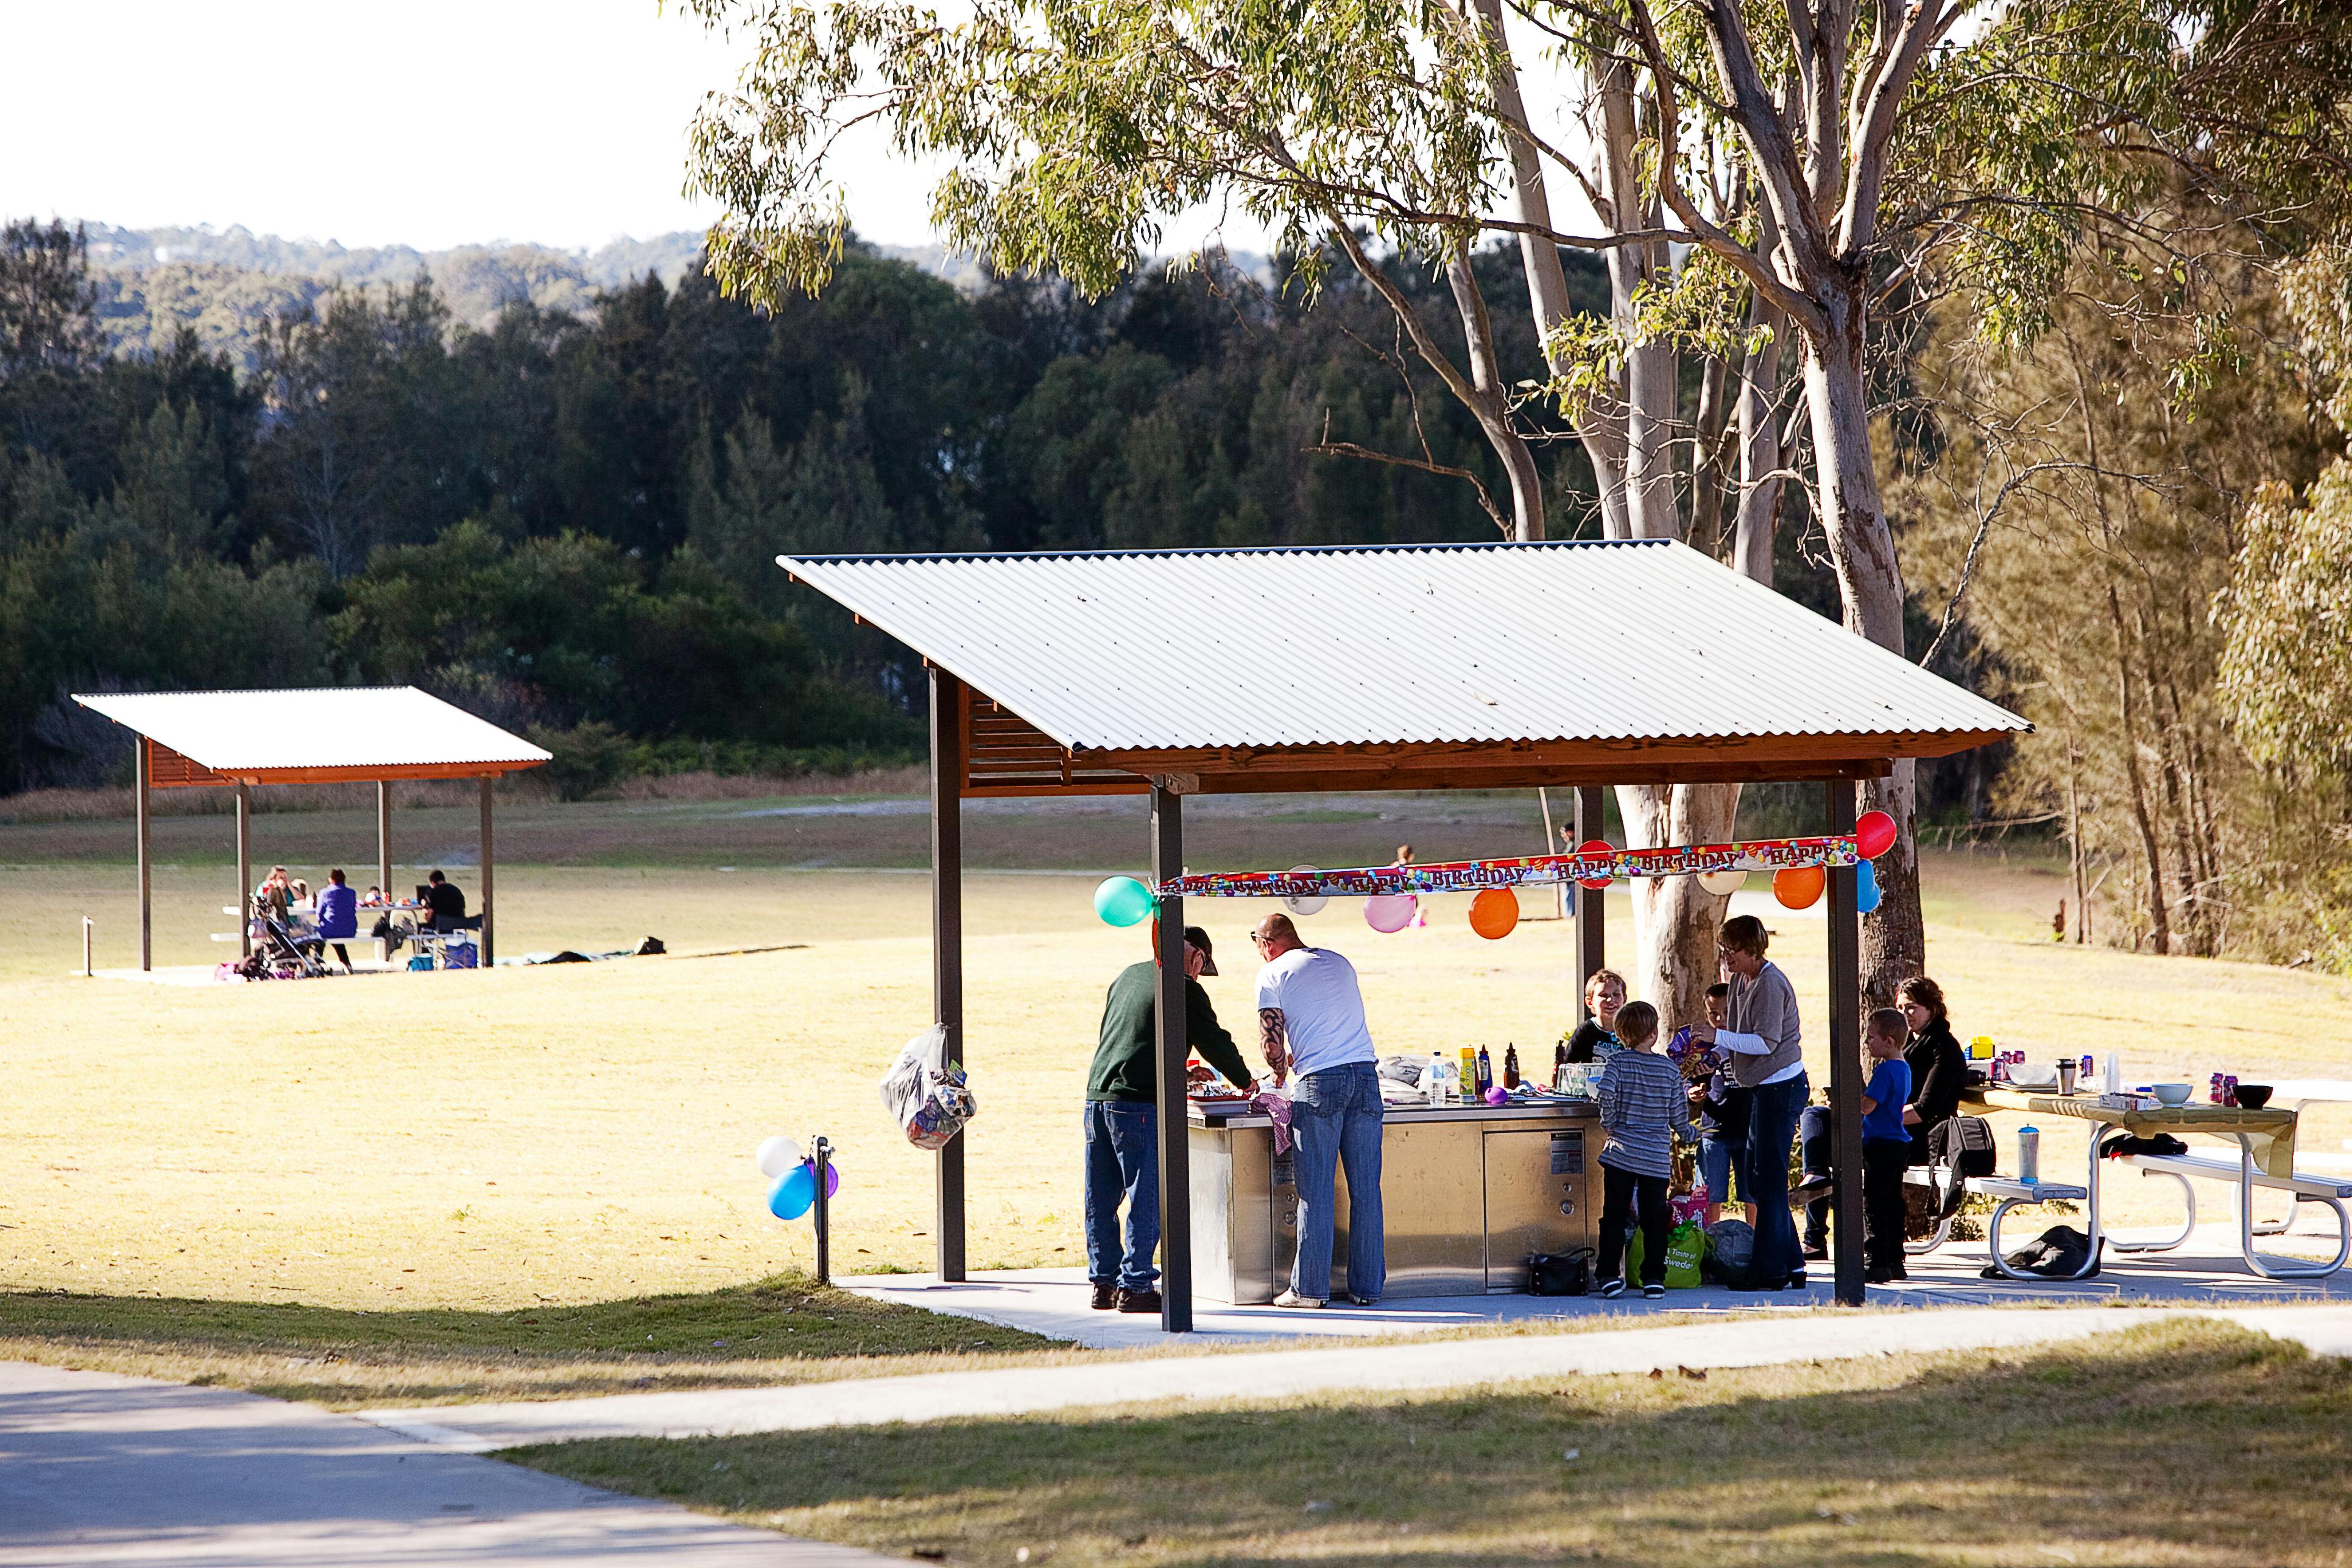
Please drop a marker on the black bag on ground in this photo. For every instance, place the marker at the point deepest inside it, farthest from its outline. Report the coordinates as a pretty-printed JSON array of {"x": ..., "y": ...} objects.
[
  {"x": 1962, "y": 1145},
  {"x": 2056, "y": 1253},
  {"x": 1561, "y": 1273},
  {"x": 1730, "y": 1249}
]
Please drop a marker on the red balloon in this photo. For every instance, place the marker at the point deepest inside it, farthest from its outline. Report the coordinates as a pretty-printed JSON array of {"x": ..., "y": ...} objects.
[
  {"x": 1494, "y": 913},
  {"x": 1800, "y": 886},
  {"x": 1873, "y": 835},
  {"x": 1595, "y": 846}
]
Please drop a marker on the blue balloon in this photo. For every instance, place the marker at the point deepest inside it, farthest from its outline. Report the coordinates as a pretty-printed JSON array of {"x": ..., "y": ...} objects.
[
  {"x": 1865, "y": 887},
  {"x": 793, "y": 1192},
  {"x": 1123, "y": 901}
]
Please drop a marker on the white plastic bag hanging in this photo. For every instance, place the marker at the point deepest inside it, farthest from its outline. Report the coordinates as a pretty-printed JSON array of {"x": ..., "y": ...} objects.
[{"x": 927, "y": 1092}]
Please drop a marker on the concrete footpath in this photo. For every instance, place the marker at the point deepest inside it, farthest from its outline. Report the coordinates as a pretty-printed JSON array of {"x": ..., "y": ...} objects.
[
  {"x": 100, "y": 1470},
  {"x": 1417, "y": 1364}
]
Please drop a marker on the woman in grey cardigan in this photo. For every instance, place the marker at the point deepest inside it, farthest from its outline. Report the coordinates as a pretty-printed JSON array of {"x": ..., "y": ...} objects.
[{"x": 1764, "y": 1042}]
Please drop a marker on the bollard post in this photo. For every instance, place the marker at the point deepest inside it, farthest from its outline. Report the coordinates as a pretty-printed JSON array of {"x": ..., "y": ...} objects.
[
  {"x": 87, "y": 972},
  {"x": 823, "y": 1151}
]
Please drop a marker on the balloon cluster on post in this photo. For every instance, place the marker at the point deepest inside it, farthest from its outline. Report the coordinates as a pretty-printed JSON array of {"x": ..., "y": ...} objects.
[
  {"x": 791, "y": 1177},
  {"x": 1800, "y": 887}
]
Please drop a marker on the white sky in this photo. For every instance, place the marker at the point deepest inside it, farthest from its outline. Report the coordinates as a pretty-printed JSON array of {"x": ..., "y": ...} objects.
[{"x": 434, "y": 124}]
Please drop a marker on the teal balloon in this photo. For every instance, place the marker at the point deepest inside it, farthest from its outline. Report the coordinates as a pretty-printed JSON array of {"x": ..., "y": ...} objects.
[
  {"x": 1865, "y": 887},
  {"x": 1123, "y": 901},
  {"x": 794, "y": 1191}
]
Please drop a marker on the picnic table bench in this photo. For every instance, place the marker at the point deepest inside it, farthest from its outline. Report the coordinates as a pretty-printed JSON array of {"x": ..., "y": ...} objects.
[
  {"x": 2265, "y": 1147},
  {"x": 2011, "y": 1193}
]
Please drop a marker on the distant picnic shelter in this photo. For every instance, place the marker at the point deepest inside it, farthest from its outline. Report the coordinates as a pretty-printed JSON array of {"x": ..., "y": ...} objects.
[{"x": 355, "y": 734}]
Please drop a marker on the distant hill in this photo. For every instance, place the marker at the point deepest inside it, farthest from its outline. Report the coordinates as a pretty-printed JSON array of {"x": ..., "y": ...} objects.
[{"x": 226, "y": 282}]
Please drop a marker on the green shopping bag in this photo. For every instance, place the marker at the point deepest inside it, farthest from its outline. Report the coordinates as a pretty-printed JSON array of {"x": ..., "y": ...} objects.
[{"x": 1686, "y": 1250}]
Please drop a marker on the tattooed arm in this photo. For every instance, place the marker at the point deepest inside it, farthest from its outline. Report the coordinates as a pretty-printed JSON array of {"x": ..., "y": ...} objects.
[{"x": 1270, "y": 1039}]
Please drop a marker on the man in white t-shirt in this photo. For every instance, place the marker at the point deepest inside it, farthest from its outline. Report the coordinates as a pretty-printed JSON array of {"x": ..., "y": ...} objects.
[{"x": 1310, "y": 1017}]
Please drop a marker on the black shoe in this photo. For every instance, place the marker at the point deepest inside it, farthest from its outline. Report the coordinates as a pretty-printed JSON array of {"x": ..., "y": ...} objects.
[
  {"x": 1653, "y": 1291},
  {"x": 1612, "y": 1288},
  {"x": 1877, "y": 1276},
  {"x": 1106, "y": 1296},
  {"x": 1139, "y": 1300},
  {"x": 1817, "y": 1254},
  {"x": 1796, "y": 1281},
  {"x": 1812, "y": 1185}
]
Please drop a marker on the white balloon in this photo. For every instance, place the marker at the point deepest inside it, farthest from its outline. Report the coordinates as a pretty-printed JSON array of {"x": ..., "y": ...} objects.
[
  {"x": 1308, "y": 904},
  {"x": 1723, "y": 884},
  {"x": 777, "y": 1155}
]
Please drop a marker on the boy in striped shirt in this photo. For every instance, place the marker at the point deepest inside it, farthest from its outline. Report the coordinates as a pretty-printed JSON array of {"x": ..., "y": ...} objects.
[{"x": 1643, "y": 1105}]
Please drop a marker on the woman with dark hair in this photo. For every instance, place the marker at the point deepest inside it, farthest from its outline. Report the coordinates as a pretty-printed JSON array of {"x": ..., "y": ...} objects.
[{"x": 1939, "y": 1068}]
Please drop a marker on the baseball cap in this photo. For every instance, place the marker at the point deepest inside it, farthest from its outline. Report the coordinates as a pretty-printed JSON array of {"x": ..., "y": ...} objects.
[{"x": 1200, "y": 938}]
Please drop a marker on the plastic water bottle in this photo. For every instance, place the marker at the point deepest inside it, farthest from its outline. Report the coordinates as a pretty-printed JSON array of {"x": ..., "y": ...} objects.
[
  {"x": 1433, "y": 1078},
  {"x": 2029, "y": 1154}
]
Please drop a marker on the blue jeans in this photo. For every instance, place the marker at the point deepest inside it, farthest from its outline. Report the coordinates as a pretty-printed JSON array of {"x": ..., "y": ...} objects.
[
  {"x": 1764, "y": 1181},
  {"x": 1334, "y": 1116},
  {"x": 1816, "y": 1129},
  {"x": 1717, "y": 1159},
  {"x": 1122, "y": 1163}
]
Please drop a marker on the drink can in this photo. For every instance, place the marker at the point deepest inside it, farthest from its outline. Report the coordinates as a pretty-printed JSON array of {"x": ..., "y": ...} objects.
[{"x": 2029, "y": 1154}]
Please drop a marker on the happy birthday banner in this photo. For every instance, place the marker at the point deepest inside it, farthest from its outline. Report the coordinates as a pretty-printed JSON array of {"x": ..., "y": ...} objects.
[{"x": 1471, "y": 875}]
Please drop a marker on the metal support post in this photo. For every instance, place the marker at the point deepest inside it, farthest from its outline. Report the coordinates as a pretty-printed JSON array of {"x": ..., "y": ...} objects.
[
  {"x": 1173, "y": 1051},
  {"x": 946, "y": 939},
  {"x": 822, "y": 1156},
  {"x": 489, "y": 948},
  {"x": 1845, "y": 1053},
  {"x": 146, "y": 768},
  {"x": 1591, "y": 918},
  {"x": 245, "y": 870}
]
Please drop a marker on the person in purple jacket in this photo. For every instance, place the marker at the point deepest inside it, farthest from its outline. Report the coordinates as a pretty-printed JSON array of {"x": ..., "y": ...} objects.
[{"x": 338, "y": 918}]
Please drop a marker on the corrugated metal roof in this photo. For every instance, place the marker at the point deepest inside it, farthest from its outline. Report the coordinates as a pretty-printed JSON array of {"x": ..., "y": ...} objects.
[
  {"x": 1628, "y": 640},
  {"x": 334, "y": 727}
]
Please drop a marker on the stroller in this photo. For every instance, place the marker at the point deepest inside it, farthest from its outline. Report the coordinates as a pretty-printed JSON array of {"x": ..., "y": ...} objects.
[{"x": 276, "y": 951}]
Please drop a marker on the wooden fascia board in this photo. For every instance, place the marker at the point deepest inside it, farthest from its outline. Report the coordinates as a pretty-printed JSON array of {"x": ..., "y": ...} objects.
[
  {"x": 1626, "y": 760},
  {"x": 215, "y": 779}
]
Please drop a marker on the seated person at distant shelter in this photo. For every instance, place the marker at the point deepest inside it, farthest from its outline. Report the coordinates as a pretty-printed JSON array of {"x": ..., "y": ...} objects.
[
  {"x": 339, "y": 920},
  {"x": 449, "y": 903},
  {"x": 276, "y": 893}
]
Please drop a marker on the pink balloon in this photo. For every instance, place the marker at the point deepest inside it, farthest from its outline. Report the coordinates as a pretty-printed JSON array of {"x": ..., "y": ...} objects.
[{"x": 1389, "y": 911}]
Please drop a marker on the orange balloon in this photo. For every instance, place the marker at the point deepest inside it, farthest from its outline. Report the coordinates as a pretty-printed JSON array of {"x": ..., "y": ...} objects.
[
  {"x": 1494, "y": 913},
  {"x": 1798, "y": 885}
]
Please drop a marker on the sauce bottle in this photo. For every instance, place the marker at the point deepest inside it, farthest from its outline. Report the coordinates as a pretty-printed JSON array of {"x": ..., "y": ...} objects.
[
  {"x": 1486, "y": 1072},
  {"x": 1469, "y": 1073},
  {"x": 1511, "y": 1066}
]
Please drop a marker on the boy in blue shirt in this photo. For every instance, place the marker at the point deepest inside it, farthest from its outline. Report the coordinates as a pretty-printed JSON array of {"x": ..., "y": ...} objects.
[{"x": 1885, "y": 1146}]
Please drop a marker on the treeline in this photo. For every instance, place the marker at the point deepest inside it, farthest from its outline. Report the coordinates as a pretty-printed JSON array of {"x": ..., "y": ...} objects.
[{"x": 567, "y": 520}]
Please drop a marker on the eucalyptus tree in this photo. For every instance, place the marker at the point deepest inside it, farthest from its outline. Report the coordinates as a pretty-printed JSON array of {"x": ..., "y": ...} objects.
[{"x": 1764, "y": 176}]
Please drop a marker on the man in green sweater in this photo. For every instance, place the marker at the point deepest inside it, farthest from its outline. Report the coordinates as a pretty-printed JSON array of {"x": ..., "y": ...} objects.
[{"x": 1123, "y": 1123}]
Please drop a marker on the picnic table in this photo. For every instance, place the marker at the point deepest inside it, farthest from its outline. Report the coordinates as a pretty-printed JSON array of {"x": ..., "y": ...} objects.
[{"x": 2266, "y": 1144}]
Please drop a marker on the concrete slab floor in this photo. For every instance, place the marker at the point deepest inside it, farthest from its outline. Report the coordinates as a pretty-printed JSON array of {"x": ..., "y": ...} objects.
[
  {"x": 102, "y": 1470},
  {"x": 2206, "y": 1271}
]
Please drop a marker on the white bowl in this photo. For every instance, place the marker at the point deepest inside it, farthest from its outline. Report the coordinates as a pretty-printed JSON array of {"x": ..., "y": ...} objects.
[{"x": 2172, "y": 1093}]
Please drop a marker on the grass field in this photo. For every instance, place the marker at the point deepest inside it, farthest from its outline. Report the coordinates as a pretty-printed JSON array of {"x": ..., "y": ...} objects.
[
  {"x": 2178, "y": 1445},
  {"x": 524, "y": 1139}
]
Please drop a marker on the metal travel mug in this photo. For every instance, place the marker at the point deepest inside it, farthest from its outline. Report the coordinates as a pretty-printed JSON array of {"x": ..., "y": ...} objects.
[
  {"x": 2066, "y": 1075},
  {"x": 2029, "y": 1154}
]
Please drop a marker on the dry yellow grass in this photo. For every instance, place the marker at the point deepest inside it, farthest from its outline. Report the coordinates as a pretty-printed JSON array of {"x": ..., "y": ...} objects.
[{"x": 583, "y": 1132}]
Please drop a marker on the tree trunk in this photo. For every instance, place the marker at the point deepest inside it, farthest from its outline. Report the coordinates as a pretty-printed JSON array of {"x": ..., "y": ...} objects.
[
  {"x": 1870, "y": 583},
  {"x": 1677, "y": 923},
  {"x": 1492, "y": 403},
  {"x": 1759, "y": 439},
  {"x": 1601, "y": 430},
  {"x": 1650, "y": 386},
  {"x": 2160, "y": 925}
]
